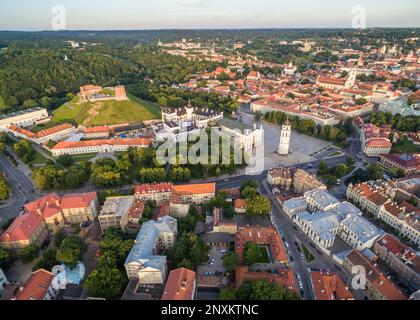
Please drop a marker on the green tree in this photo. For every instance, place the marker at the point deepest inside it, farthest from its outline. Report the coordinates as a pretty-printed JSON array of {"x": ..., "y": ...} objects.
[
  {"x": 5, "y": 259},
  {"x": 5, "y": 189},
  {"x": 376, "y": 172},
  {"x": 258, "y": 205},
  {"x": 227, "y": 294},
  {"x": 323, "y": 168},
  {"x": 230, "y": 262},
  {"x": 71, "y": 250},
  {"x": 29, "y": 253},
  {"x": 47, "y": 261},
  {"x": 65, "y": 160},
  {"x": 105, "y": 282}
]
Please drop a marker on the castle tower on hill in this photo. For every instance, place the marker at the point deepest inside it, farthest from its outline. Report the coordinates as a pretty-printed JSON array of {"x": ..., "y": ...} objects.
[
  {"x": 285, "y": 134},
  {"x": 120, "y": 93}
]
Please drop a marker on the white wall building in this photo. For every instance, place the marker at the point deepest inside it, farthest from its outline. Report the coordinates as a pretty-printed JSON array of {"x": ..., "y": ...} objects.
[{"x": 23, "y": 118}]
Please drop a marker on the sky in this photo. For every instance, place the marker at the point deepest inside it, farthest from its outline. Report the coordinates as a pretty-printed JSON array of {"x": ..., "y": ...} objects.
[{"x": 31, "y": 15}]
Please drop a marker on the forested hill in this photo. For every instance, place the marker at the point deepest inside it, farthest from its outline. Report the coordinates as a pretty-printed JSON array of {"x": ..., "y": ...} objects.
[{"x": 36, "y": 73}]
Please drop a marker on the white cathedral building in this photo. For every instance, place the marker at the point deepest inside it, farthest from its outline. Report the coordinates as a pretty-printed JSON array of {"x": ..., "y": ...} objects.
[{"x": 285, "y": 134}]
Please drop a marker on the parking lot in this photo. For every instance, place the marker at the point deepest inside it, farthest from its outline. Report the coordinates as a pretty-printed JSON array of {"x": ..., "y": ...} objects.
[{"x": 214, "y": 265}]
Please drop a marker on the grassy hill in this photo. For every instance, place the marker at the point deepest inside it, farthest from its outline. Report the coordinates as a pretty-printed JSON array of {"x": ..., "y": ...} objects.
[{"x": 106, "y": 112}]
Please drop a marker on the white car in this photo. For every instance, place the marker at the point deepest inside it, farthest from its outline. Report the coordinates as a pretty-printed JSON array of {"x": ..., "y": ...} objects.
[{"x": 286, "y": 244}]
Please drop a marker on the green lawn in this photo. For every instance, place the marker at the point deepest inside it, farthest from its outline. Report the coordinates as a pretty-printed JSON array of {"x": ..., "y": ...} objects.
[
  {"x": 308, "y": 255},
  {"x": 404, "y": 145},
  {"x": 107, "y": 112},
  {"x": 38, "y": 159},
  {"x": 83, "y": 157}
]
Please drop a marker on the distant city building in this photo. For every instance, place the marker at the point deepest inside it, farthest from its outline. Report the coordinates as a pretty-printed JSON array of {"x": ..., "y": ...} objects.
[
  {"x": 3, "y": 282},
  {"x": 375, "y": 141},
  {"x": 406, "y": 162}
]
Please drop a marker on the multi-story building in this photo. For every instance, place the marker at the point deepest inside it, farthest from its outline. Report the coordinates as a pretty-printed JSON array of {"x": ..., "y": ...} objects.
[
  {"x": 48, "y": 214},
  {"x": 284, "y": 277},
  {"x": 282, "y": 177},
  {"x": 378, "y": 287},
  {"x": 261, "y": 236},
  {"x": 56, "y": 133},
  {"x": 98, "y": 132},
  {"x": 294, "y": 206},
  {"x": 158, "y": 192},
  {"x": 320, "y": 227},
  {"x": 304, "y": 181},
  {"x": 37, "y": 287},
  {"x": 185, "y": 195},
  {"x": 408, "y": 163},
  {"x": 379, "y": 199},
  {"x": 115, "y": 211},
  {"x": 320, "y": 200},
  {"x": 181, "y": 285},
  {"x": 23, "y": 118},
  {"x": 99, "y": 146},
  {"x": 329, "y": 286},
  {"x": 359, "y": 233},
  {"x": 402, "y": 260},
  {"x": 144, "y": 262},
  {"x": 375, "y": 141}
]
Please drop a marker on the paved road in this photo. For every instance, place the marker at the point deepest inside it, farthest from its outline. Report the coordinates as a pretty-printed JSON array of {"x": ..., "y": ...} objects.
[{"x": 22, "y": 189}]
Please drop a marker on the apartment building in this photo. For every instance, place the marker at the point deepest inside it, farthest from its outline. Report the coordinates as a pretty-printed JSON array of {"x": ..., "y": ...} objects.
[
  {"x": 181, "y": 285},
  {"x": 329, "y": 286},
  {"x": 144, "y": 261},
  {"x": 407, "y": 163},
  {"x": 282, "y": 177},
  {"x": 115, "y": 211},
  {"x": 320, "y": 200},
  {"x": 402, "y": 260},
  {"x": 185, "y": 195},
  {"x": 378, "y": 287},
  {"x": 158, "y": 192},
  {"x": 304, "y": 182}
]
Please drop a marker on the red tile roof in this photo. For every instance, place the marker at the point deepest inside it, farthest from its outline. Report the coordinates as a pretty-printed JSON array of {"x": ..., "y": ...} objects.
[
  {"x": 95, "y": 143},
  {"x": 284, "y": 277},
  {"x": 191, "y": 189},
  {"x": 387, "y": 288},
  {"x": 180, "y": 285},
  {"x": 22, "y": 227},
  {"x": 77, "y": 200},
  {"x": 261, "y": 235},
  {"x": 36, "y": 287},
  {"x": 329, "y": 286},
  {"x": 153, "y": 188}
]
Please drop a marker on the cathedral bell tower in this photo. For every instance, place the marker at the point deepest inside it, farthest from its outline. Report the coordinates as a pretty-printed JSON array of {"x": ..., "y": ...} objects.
[{"x": 285, "y": 134}]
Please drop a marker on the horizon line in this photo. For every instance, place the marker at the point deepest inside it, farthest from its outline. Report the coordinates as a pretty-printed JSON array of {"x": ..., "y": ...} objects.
[{"x": 210, "y": 29}]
